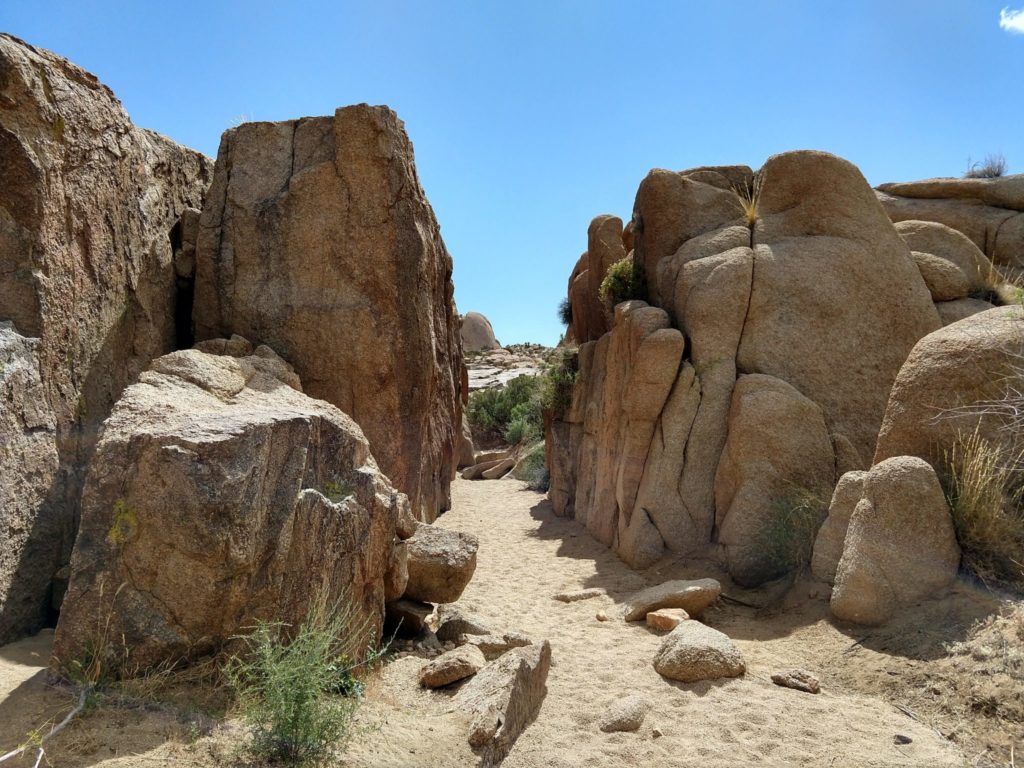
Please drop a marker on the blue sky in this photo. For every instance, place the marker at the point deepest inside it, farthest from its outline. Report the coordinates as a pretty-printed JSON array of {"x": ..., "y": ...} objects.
[{"x": 529, "y": 118}]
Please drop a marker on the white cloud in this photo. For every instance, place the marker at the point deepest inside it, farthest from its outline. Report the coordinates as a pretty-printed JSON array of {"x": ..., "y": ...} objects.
[{"x": 1012, "y": 21}]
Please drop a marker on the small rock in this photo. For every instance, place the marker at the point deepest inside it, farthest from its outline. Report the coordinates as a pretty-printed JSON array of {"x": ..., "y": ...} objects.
[
  {"x": 494, "y": 646},
  {"x": 899, "y": 738},
  {"x": 453, "y": 622},
  {"x": 656, "y": 732},
  {"x": 452, "y": 666},
  {"x": 692, "y": 596},
  {"x": 579, "y": 594},
  {"x": 626, "y": 714},
  {"x": 601, "y": 616},
  {"x": 693, "y": 651},
  {"x": 666, "y": 619},
  {"x": 798, "y": 679}
]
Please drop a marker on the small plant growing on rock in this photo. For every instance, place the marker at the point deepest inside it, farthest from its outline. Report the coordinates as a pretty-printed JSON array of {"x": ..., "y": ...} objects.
[
  {"x": 558, "y": 382},
  {"x": 296, "y": 687},
  {"x": 565, "y": 312},
  {"x": 992, "y": 167},
  {"x": 338, "y": 490},
  {"x": 623, "y": 281},
  {"x": 749, "y": 198}
]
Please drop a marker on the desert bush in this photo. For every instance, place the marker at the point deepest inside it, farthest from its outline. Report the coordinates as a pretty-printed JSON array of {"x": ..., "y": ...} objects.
[
  {"x": 992, "y": 167},
  {"x": 493, "y": 410},
  {"x": 789, "y": 533},
  {"x": 557, "y": 383},
  {"x": 623, "y": 281},
  {"x": 534, "y": 469},
  {"x": 565, "y": 312},
  {"x": 749, "y": 198},
  {"x": 296, "y": 688},
  {"x": 985, "y": 489}
]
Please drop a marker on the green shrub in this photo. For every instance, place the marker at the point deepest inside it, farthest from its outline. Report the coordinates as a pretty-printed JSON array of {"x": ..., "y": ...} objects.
[
  {"x": 565, "y": 312},
  {"x": 985, "y": 489},
  {"x": 623, "y": 281},
  {"x": 496, "y": 411},
  {"x": 534, "y": 469},
  {"x": 557, "y": 383},
  {"x": 297, "y": 691}
]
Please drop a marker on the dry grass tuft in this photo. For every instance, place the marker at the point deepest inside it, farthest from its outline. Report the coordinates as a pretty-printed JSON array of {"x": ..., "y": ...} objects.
[
  {"x": 992, "y": 167},
  {"x": 749, "y": 198}
]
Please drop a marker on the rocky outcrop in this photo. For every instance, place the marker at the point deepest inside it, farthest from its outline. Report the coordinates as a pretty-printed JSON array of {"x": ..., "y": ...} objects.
[
  {"x": 952, "y": 384},
  {"x": 477, "y": 334},
  {"x": 606, "y": 244},
  {"x": 89, "y": 212},
  {"x": 317, "y": 240},
  {"x": 900, "y": 545},
  {"x": 988, "y": 211},
  {"x": 220, "y": 494},
  {"x": 793, "y": 276}
]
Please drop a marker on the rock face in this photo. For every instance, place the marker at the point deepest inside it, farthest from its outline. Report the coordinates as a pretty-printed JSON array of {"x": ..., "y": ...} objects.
[
  {"x": 441, "y": 563},
  {"x": 965, "y": 364},
  {"x": 265, "y": 498},
  {"x": 900, "y": 545},
  {"x": 477, "y": 334},
  {"x": 503, "y": 698},
  {"x": 990, "y": 212},
  {"x": 606, "y": 244},
  {"x": 828, "y": 546},
  {"x": 89, "y": 212},
  {"x": 813, "y": 297},
  {"x": 693, "y": 652},
  {"x": 317, "y": 240}
]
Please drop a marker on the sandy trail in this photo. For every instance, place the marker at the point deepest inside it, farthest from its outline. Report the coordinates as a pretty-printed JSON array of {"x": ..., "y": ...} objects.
[{"x": 526, "y": 556}]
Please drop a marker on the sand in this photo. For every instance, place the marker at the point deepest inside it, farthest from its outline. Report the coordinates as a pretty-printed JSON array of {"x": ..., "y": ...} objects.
[{"x": 526, "y": 557}]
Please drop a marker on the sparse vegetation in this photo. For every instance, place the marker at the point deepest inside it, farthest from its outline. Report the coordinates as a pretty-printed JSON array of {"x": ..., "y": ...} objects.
[
  {"x": 749, "y": 198},
  {"x": 565, "y": 312},
  {"x": 338, "y": 490},
  {"x": 985, "y": 488},
  {"x": 494, "y": 410},
  {"x": 623, "y": 281},
  {"x": 992, "y": 167},
  {"x": 296, "y": 688},
  {"x": 558, "y": 382},
  {"x": 788, "y": 535},
  {"x": 535, "y": 470}
]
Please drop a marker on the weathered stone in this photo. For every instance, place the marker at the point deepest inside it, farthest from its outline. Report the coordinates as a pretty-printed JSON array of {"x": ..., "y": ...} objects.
[
  {"x": 441, "y": 563},
  {"x": 945, "y": 280},
  {"x": 626, "y": 714},
  {"x": 666, "y": 619},
  {"x": 900, "y": 546},
  {"x": 503, "y": 698},
  {"x": 317, "y": 239},
  {"x": 576, "y": 595},
  {"x": 692, "y": 596},
  {"x": 407, "y": 618},
  {"x": 452, "y": 622},
  {"x": 828, "y": 546},
  {"x": 267, "y": 500},
  {"x": 954, "y": 311},
  {"x": 494, "y": 646},
  {"x": 773, "y": 479},
  {"x": 476, "y": 333},
  {"x": 952, "y": 247},
  {"x": 499, "y": 470},
  {"x": 476, "y": 471},
  {"x": 89, "y": 211},
  {"x": 797, "y": 679},
  {"x": 452, "y": 666},
  {"x": 693, "y": 652},
  {"x": 466, "y": 450}
]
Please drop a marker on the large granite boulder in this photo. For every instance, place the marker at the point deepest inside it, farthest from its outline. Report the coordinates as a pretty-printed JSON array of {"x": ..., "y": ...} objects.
[
  {"x": 794, "y": 275},
  {"x": 317, "y": 240},
  {"x": 89, "y": 212},
  {"x": 606, "y": 244},
  {"x": 219, "y": 494},
  {"x": 990, "y": 212},
  {"x": 476, "y": 333}
]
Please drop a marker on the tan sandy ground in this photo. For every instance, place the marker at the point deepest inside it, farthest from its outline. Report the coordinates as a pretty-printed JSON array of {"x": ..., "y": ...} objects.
[{"x": 526, "y": 556}]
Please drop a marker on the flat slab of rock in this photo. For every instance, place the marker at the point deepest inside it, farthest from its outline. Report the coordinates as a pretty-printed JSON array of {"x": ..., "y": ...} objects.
[
  {"x": 693, "y": 651},
  {"x": 576, "y": 595},
  {"x": 494, "y": 646},
  {"x": 440, "y": 562},
  {"x": 452, "y": 666},
  {"x": 797, "y": 679},
  {"x": 452, "y": 622},
  {"x": 500, "y": 469},
  {"x": 666, "y": 619},
  {"x": 626, "y": 714},
  {"x": 692, "y": 596},
  {"x": 476, "y": 471},
  {"x": 503, "y": 698}
]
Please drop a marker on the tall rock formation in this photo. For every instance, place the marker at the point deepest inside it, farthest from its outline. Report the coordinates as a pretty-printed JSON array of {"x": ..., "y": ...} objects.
[
  {"x": 795, "y": 274},
  {"x": 317, "y": 240},
  {"x": 89, "y": 211},
  {"x": 476, "y": 333}
]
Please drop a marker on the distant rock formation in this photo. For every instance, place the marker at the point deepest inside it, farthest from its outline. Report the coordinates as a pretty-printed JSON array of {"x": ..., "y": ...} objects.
[
  {"x": 988, "y": 211},
  {"x": 89, "y": 224},
  {"x": 220, "y": 494},
  {"x": 477, "y": 333},
  {"x": 809, "y": 299},
  {"x": 317, "y": 240}
]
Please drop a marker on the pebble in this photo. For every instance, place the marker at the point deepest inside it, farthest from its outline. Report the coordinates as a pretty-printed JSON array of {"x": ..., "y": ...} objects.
[{"x": 602, "y": 616}]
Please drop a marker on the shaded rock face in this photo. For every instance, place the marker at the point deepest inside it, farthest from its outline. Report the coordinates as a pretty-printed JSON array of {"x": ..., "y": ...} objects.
[
  {"x": 900, "y": 545},
  {"x": 266, "y": 499},
  {"x": 990, "y": 212},
  {"x": 317, "y": 240},
  {"x": 89, "y": 211},
  {"x": 476, "y": 333},
  {"x": 606, "y": 244},
  {"x": 817, "y": 302}
]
